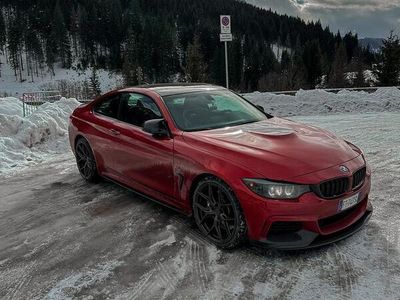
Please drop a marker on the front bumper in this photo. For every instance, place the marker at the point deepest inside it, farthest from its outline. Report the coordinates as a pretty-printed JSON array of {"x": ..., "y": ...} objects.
[
  {"x": 309, "y": 221},
  {"x": 305, "y": 239}
]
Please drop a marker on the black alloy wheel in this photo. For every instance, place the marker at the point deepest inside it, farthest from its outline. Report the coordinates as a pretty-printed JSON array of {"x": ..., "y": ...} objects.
[
  {"x": 85, "y": 161},
  {"x": 217, "y": 213}
]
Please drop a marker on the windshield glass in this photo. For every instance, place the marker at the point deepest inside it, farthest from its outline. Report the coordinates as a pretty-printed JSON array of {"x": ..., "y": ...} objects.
[{"x": 210, "y": 110}]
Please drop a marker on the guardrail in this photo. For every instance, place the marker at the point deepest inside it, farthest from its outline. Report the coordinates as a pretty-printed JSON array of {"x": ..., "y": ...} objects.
[{"x": 32, "y": 100}]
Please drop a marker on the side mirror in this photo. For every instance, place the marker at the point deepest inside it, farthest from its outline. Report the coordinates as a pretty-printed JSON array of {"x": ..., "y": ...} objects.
[
  {"x": 260, "y": 108},
  {"x": 157, "y": 127}
]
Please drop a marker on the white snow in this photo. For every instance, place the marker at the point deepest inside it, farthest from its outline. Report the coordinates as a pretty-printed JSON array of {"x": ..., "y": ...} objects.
[
  {"x": 319, "y": 102},
  {"x": 24, "y": 141},
  {"x": 12, "y": 86}
]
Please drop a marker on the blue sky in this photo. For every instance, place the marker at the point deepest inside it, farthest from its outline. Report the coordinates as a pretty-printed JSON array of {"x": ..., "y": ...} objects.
[{"x": 369, "y": 18}]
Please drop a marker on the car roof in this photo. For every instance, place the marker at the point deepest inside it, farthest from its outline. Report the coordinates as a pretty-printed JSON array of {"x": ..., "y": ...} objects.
[{"x": 178, "y": 88}]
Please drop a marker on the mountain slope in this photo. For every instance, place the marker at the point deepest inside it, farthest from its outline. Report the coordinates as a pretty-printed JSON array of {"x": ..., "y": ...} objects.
[{"x": 148, "y": 40}]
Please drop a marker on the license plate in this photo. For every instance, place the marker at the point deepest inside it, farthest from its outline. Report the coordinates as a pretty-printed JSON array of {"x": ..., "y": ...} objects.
[{"x": 349, "y": 202}]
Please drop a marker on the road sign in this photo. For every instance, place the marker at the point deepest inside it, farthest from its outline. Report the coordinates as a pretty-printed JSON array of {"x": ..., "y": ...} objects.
[
  {"x": 225, "y": 37},
  {"x": 225, "y": 24}
]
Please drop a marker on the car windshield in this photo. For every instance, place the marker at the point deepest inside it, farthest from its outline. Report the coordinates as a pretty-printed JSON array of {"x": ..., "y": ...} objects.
[{"x": 206, "y": 110}]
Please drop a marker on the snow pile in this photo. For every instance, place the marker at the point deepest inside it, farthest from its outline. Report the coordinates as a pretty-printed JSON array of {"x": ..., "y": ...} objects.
[
  {"x": 31, "y": 139},
  {"x": 11, "y": 106},
  {"x": 319, "y": 102}
]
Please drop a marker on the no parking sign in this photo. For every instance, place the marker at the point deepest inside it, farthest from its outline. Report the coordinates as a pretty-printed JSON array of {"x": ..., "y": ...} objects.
[
  {"x": 225, "y": 24},
  {"x": 226, "y": 36}
]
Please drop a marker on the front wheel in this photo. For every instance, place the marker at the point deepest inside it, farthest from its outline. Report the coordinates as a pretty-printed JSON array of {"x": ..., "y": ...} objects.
[
  {"x": 217, "y": 213},
  {"x": 85, "y": 161}
]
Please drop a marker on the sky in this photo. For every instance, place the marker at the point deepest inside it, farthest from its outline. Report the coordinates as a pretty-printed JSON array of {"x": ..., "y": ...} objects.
[{"x": 368, "y": 18}]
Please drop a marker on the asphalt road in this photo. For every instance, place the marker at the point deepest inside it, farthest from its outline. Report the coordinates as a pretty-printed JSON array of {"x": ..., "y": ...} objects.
[{"x": 61, "y": 238}]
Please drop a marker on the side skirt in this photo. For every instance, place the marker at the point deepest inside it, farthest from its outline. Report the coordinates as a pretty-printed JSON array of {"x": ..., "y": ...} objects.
[{"x": 176, "y": 209}]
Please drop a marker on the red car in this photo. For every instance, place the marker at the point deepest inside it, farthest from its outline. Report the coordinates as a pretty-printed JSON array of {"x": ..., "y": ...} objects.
[{"x": 240, "y": 172}]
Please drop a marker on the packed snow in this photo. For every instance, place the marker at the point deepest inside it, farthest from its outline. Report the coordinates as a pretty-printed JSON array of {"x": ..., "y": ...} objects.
[
  {"x": 35, "y": 138},
  {"x": 147, "y": 251},
  {"x": 62, "y": 238}
]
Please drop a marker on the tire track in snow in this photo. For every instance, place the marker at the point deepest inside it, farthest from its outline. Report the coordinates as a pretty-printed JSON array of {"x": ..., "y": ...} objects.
[
  {"x": 23, "y": 280},
  {"x": 197, "y": 257},
  {"x": 142, "y": 286},
  {"x": 346, "y": 274},
  {"x": 164, "y": 274}
]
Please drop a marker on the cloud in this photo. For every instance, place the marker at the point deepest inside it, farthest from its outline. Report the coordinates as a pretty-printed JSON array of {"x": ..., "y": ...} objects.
[{"x": 372, "y": 18}]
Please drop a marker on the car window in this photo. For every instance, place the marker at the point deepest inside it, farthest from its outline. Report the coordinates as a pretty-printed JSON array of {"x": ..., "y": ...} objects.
[
  {"x": 137, "y": 109},
  {"x": 108, "y": 107},
  {"x": 210, "y": 110}
]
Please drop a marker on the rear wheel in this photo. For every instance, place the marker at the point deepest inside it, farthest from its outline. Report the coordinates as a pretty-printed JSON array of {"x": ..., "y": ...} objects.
[
  {"x": 217, "y": 213},
  {"x": 85, "y": 161}
]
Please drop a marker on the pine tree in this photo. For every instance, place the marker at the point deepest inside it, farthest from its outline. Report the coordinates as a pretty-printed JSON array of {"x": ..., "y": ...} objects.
[
  {"x": 94, "y": 83},
  {"x": 336, "y": 77},
  {"x": 62, "y": 43},
  {"x": 2, "y": 32},
  {"x": 297, "y": 71},
  {"x": 2, "y": 36},
  {"x": 15, "y": 47},
  {"x": 312, "y": 62},
  {"x": 388, "y": 69},
  {"x": 130, "y": 60},
  {"x": 196, "y": 68},
  {"x": 51, "y": 51},
  {"x": 285, "y": 60},
  {"x": 359, "y": 81}
]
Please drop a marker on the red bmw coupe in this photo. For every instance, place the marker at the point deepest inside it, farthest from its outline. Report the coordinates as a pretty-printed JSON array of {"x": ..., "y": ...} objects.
[{"x": 241, "y": 173}]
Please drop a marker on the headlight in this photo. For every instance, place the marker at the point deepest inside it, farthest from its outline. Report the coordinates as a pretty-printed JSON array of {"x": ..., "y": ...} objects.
[{"x": 275, "y": 190}]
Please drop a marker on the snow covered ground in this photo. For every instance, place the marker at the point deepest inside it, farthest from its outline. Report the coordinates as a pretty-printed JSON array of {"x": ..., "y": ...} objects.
[
  {"x": 12, "y": 86},
  {"x": 61, "y": 238}
]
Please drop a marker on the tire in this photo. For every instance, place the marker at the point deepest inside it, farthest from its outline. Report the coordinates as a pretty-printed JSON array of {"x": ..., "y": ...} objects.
[
  {"x": 85, "y": 161},
  {"x": 217, "y": 213}
]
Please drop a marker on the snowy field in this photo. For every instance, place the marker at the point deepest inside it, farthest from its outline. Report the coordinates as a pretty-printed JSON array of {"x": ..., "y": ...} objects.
[
  {"x": 12, "y": 86},
  {"x": 61, "y": 238}
]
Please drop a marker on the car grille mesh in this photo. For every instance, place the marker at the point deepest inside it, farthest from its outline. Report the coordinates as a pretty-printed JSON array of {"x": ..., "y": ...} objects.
[
  {"x": 334, "y": 188},
  {"x": 358, "y": 177}
]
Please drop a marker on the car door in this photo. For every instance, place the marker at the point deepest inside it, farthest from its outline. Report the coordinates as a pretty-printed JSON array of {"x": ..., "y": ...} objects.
[
  {"x": 104, "y": 138},
  {"x": 143, "y": 161}
]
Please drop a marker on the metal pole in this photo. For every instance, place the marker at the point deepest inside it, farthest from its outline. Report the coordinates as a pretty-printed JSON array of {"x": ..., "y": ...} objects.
[{"x": 226, "y": 65}]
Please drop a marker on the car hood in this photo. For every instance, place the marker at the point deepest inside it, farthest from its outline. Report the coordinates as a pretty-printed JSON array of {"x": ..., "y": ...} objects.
[{"x": 276, "y": 148}]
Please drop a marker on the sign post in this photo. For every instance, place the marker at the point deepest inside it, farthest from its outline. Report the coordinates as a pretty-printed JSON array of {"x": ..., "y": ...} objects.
[{"x": 226, "y": 36}]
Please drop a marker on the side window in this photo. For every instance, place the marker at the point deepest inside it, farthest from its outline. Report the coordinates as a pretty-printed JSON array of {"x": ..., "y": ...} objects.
[
  {"x": 108, "y": 107},
  {"x": 137, "y": 109}
]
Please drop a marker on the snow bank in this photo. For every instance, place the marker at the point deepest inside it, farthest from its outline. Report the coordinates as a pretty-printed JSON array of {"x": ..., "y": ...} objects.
[
  {"x": 36, "y": 137},
  {"x": 319, "y": 102}
]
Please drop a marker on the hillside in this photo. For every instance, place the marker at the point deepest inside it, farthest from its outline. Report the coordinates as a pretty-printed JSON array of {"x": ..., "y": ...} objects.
[{"x": 148, "y": 41}]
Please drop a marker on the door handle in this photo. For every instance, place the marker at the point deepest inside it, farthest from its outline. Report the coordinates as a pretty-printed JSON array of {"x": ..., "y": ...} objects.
[{"x": 114, "y": 132}]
